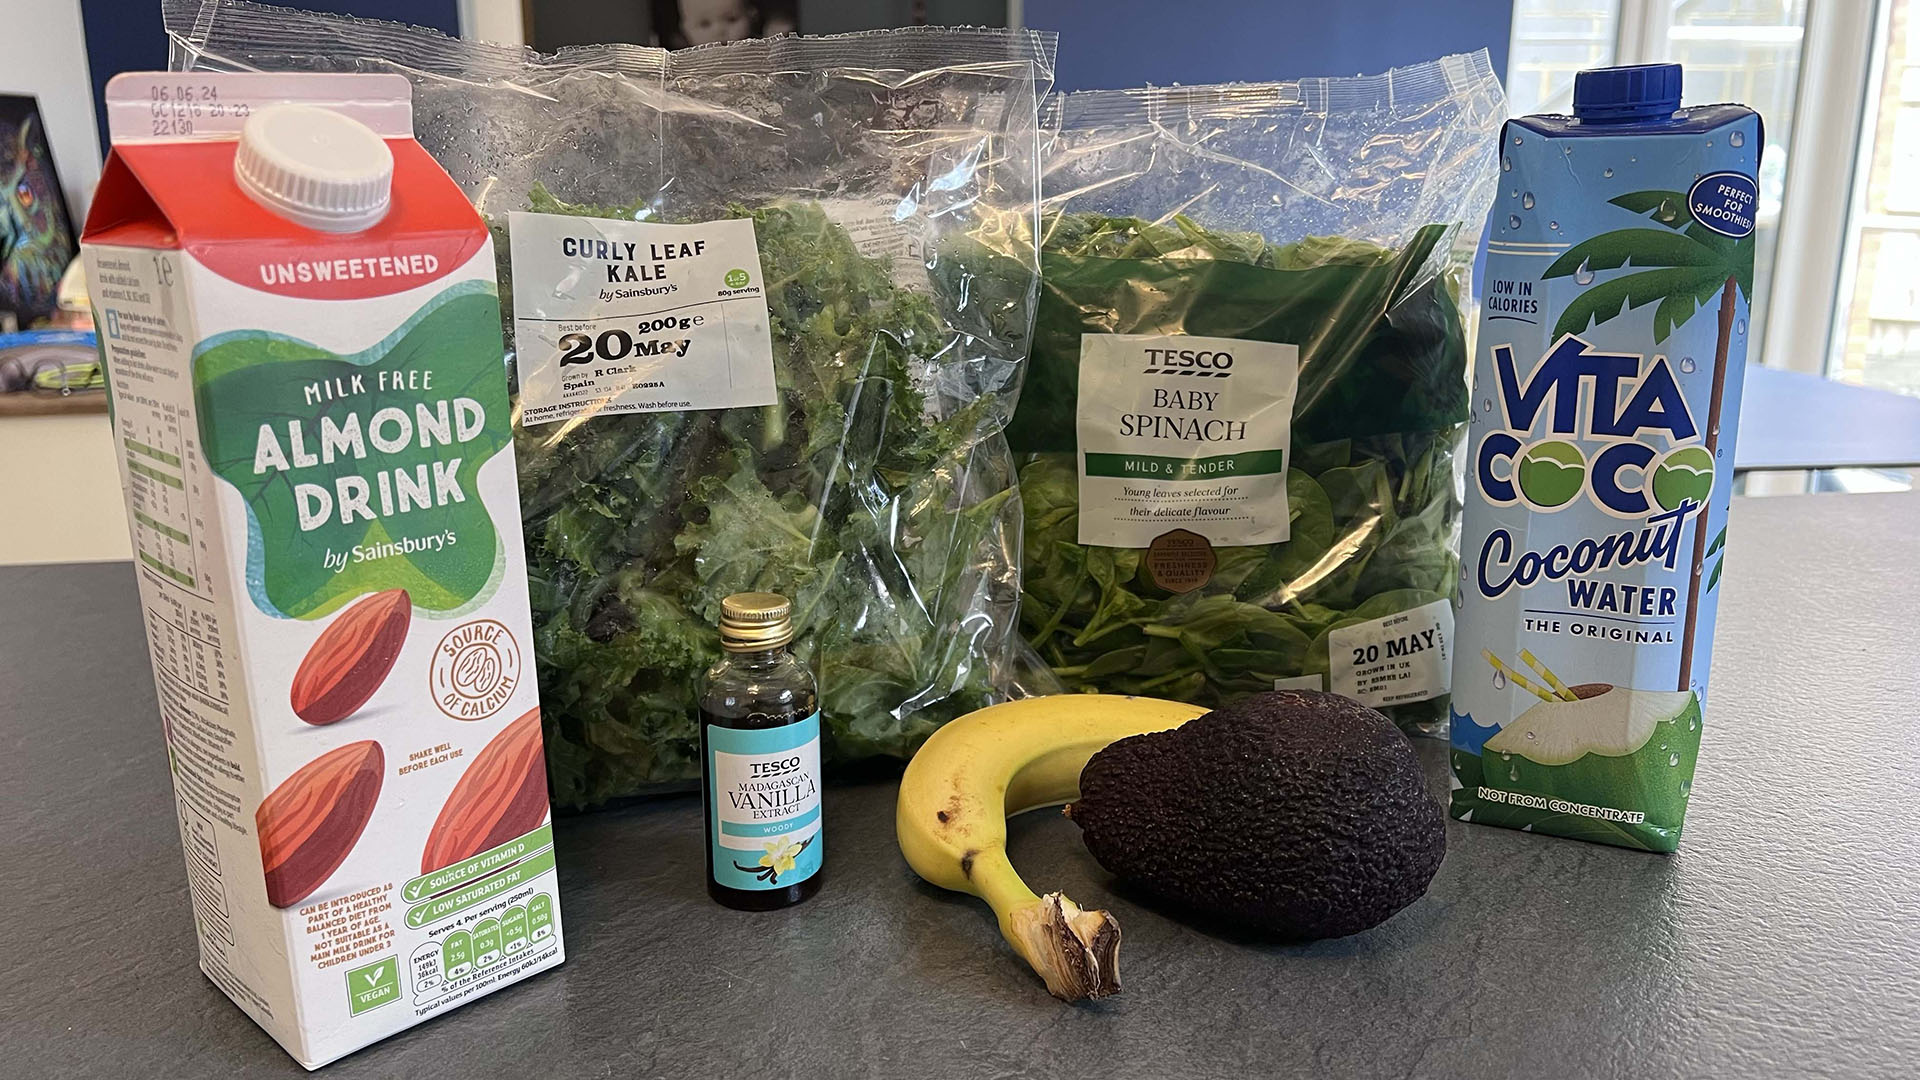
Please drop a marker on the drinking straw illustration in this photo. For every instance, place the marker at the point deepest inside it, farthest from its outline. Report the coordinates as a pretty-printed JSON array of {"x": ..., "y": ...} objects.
[
  {"x": 1559, "y": 688},
  {"x": 1518, "y": 679}
]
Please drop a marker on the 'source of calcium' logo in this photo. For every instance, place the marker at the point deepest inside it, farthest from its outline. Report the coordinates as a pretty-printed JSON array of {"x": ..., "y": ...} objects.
[{"x": 1592, "y": 397}]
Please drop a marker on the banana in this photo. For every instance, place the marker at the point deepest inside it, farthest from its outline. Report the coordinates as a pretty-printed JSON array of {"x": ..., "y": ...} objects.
[{"x": 981, "y": 769}]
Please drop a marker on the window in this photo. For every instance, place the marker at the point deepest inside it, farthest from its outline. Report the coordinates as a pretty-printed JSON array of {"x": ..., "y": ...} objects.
[
  {"x": 1748, "y": 51},
  {"x": 1876, "y": 334}
]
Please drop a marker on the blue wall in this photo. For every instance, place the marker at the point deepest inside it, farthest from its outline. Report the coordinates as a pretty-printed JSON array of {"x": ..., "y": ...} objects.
[
  {"x": 127, "y": 35},
  {"x": 1117, "y": 43}
]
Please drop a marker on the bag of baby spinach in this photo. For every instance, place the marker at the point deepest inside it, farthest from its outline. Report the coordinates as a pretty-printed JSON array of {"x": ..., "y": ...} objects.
[
  {"x": 1248, "y": 383},
  {"x": 767, "y": 306}
]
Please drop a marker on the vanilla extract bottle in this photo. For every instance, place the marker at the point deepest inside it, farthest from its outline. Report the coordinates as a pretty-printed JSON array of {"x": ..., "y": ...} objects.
[{"x": 760, "y": 761}]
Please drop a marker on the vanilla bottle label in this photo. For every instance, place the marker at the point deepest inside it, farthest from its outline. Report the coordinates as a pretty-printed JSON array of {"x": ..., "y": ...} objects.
[{"x": 764, "y": 800}]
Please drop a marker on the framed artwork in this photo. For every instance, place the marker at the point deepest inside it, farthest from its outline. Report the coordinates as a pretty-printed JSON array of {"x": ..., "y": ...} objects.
[
  {"x": 680, "y": 23},
  {"x": 36, "y": 228}
]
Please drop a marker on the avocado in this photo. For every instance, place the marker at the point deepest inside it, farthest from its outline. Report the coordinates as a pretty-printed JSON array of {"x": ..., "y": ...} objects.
[{"x": 1292, "y": 814}]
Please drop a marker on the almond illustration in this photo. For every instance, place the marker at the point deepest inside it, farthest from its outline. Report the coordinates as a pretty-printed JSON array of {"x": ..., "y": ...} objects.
[
  {"x": 503, "y": 794},
  {"x": 351, "y": 657},
  {"x": 312, "y": 820}
]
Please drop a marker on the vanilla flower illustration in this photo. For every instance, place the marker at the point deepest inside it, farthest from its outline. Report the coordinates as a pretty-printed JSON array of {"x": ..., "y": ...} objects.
[
  {"x": 780, "y": 855},
  {"x": 779, "y": 858}
]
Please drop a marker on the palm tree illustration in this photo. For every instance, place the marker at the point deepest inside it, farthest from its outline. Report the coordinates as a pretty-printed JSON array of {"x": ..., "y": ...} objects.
[{"x": 1680, "y": 267}]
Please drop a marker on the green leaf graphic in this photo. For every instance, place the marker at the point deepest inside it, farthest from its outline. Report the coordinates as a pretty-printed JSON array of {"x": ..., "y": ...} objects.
[
  {"x": 439, "y": 372},
  {"x": 1608, "y": 299},
  {"x": 1719, "y": 541},
  {"x": 1639, "y": 247}
]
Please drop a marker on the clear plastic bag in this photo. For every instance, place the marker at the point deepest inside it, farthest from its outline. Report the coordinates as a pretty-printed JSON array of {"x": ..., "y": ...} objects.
[
  {"x": 892, "y": 182},
  {"x": 1335, "y": 216}
]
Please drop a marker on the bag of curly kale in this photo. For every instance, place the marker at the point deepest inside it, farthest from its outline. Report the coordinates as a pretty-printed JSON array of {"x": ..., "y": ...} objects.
[
  {"x": 769, "y": 304},
  {"x": 1248, "y": 383}
]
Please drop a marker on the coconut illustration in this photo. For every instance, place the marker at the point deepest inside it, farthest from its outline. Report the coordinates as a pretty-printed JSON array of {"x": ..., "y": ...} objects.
[
  {"x": 1686, "y": 475},
  {"x": 1551, "y": 473},
  {"x": 1610, "y": 748}
]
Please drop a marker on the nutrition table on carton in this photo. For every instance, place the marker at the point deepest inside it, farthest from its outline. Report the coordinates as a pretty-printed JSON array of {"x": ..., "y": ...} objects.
[{"x": 1783, "y": 939}]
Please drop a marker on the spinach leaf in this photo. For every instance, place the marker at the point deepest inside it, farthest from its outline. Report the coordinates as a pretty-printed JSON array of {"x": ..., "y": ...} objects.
[{"x": 1380, "y": 407}]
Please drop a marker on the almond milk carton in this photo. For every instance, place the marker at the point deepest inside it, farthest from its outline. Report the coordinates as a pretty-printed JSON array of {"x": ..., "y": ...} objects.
[{"x": 299, "y": 322}]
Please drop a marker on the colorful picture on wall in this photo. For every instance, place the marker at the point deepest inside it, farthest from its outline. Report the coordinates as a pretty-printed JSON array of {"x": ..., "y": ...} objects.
[{"x": 36, "y": 230}]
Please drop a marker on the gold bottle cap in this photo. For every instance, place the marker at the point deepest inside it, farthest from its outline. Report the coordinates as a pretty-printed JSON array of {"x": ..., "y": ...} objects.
[{"x": 753, "y": 621}]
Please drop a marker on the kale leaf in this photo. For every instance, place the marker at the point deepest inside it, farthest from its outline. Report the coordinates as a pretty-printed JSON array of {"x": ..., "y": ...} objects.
[{"x": 853, "y": 495}]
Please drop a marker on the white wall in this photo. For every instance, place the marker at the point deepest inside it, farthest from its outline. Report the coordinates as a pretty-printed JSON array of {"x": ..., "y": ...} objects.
[
  {"x": 46, "y": 55},
  {"x": 60, "y": 491}
]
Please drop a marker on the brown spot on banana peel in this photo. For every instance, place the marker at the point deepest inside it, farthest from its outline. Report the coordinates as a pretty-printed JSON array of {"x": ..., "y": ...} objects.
[{"x": 966, "y": 864}]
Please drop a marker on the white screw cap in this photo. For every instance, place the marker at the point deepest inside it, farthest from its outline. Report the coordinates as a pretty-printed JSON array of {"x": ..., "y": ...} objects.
[{"x": 315, "y": 167}]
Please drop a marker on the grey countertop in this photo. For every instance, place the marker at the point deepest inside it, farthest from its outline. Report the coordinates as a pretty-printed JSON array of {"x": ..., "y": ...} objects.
[{"x": 1783, "y": 941}]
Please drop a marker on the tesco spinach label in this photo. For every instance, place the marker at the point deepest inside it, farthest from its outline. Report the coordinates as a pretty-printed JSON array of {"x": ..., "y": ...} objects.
[{"x": 1180, "y": 431}]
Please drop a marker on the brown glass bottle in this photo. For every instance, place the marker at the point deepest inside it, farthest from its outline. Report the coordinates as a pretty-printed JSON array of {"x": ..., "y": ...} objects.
[{"x": 760, "y": 761}]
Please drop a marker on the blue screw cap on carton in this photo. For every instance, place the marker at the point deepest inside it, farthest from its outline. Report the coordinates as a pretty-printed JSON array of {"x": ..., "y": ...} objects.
[{"x": 1618, "y": 95}]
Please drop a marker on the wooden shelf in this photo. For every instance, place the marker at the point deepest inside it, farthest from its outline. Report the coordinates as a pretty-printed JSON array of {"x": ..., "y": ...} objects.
[{"x": 35, "y": 403}]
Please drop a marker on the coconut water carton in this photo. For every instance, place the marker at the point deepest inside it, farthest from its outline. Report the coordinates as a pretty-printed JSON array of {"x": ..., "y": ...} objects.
[
  {"x": 1607, "y": 378},
  {"x": 301, "y": 335}
]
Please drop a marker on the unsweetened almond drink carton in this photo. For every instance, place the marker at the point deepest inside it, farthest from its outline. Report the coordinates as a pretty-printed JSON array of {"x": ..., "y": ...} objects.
[
  {"x": 301, "y": 332},
  {"x": 1607, "y": 381}
]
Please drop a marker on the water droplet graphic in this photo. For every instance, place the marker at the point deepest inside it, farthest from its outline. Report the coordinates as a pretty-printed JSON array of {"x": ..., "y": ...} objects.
[
  {"x": 1738, "y": 138},
  {"x": 1691, "y": 724},
  {"x": 1687, "y": 365},
  {"x": 1529, "y": 734},
  {"x": 1513, "y": 193},
  {"x": 1499, "y": 680},
  {"x": 1686, "y": 788},
  {"x": 1516, "y": 140},
  {"x": 1526, "y": 201},
  {"x": 1583, "y": 275},
  {"x": 1740, "y": 327},
  {"x": 1663, "y": 746},
  {"x": 1505, "y": 164},
  {"x": 1709, "y": 142},
  {"x": 1513, "y": 221},
  {"x": 1633, "y": 160},
  {"x": 1554, "y": 225},
  {"x": 1486, "y": 404},
  {"x": 1513, "y": 772},
  {"x": 1665, "y": 213},
  {"x": 1506, "y": 757},
  {"x": 1672, "y": 760},
  {"x": 1608, "y": 173}
]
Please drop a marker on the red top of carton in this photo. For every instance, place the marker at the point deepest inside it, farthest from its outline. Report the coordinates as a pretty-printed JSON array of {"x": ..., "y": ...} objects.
[{"x": 180, "y": 194}]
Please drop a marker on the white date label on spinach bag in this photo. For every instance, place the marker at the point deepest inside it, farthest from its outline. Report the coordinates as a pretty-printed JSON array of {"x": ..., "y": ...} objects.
[
  {"x": 613, "y": 316},
  {"x": 1181, "y": 432},
  {"x": 1407, "y": 656}
]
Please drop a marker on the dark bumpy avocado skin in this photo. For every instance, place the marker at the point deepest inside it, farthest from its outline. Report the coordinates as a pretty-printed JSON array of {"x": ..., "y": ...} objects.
[{"x": 1294, "y": 814}]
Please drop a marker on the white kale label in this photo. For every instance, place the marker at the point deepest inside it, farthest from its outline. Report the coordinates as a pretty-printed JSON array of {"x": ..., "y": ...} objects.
[{"x": 615, "y": 316}]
